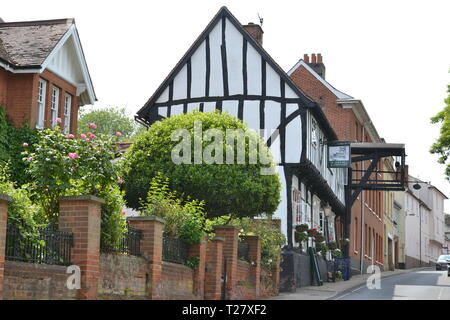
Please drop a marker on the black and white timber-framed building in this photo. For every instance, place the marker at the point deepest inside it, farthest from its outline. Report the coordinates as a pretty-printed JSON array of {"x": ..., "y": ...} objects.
[{"x": 227, "y": 69}]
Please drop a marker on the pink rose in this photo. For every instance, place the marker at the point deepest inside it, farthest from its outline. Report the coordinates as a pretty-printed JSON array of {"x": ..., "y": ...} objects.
[
  {"x": 118, "y": 134},
  {"x": 25, "y": 145},
  {"x": 30, "y": 159},
  {"x": 58, "y": 120},
  {"x": 119, "y": 180},
  {"x": 91, "y": 135},
  {"x": 73, "y": 155},
  {"x": 92, "y": 125},
  {"x": 123, "y": 213},
  {"x": 83, "y": 136},
  {"x": 70, "y": 136}
]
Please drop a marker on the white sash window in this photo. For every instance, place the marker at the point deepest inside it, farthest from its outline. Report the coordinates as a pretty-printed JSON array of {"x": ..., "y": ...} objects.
[
  {"x": 41, "y": 104},
  {"x": 54, "y": 105},
  {"x": 67, "y": 110}
]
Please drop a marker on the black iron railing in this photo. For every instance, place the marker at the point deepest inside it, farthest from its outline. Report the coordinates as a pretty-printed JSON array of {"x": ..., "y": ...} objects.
[
  {"x": 129, "y": 244},
  {"x": 49, "y": 246},
  {"x": 174, "y": 250},
  {"x": 243, "y": 250}
]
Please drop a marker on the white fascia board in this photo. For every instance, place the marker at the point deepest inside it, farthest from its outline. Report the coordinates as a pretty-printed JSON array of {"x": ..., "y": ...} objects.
[{"x": 337, "y": 93}]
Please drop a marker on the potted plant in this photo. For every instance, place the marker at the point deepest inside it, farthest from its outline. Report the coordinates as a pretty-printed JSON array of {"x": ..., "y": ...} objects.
[
  {"x": 344, "y": 241},
  {"x": 312, "y": 232}
]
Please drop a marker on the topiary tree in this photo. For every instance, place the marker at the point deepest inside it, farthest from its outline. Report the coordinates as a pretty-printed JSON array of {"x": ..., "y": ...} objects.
[{"x": 240, "y": 189}]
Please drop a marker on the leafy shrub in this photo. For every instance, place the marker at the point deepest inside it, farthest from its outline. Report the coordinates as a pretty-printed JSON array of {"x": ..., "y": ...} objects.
[
  {"x": 25, "y": 214},
  {"x": 11, "y": 147},
  {"x": 114, "y": 223},
  {"x": 183, "y": 219},
  {"x": 236, "y": 189}
]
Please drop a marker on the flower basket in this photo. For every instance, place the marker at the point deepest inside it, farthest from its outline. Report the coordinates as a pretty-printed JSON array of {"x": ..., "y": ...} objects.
[
  {"x": 302, "y": 228},
  {"x": 344, "y": 241},
  {"x": 336, "y": 253},
  {"x": 332, "y": 245},
  {"x": 319, "y": 237},
  {"x": 312, "y": 232}
]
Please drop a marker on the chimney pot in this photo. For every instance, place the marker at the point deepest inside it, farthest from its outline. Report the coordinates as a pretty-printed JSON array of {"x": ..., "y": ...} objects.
[
  {"x": 319, "y": 58},
  {"x": 255, "y": 31},
  {"x": 306, "y": 58},
  {"x": 313, "y": 60}
]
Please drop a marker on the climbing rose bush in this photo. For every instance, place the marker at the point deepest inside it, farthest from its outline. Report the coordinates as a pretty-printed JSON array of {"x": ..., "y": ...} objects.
[{"x": 63, "y": 165}]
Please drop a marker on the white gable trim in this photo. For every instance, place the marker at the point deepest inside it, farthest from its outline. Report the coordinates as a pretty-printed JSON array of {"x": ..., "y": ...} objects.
[
  {"x": 337, "y": 93},
  {"x": 72, "y": 32}
]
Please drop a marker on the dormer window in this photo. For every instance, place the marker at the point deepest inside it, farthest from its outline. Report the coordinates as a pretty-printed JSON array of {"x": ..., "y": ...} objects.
[{"x": 41, "y": 104}]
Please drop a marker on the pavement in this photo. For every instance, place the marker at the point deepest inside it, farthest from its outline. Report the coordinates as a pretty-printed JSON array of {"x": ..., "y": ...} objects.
[{"x": 331, "y": 290}]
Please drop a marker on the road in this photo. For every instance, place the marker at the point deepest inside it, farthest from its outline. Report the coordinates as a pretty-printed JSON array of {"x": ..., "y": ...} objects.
[{"x": 426, "y": 284}]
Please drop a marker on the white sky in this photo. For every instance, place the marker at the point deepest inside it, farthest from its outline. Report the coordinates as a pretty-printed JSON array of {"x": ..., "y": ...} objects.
[{"x": 393, "y": 55}]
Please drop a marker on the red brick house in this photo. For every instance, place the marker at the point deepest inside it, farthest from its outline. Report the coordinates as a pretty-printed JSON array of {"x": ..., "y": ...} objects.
[
  {"x": 43, "y": 73},
  {"x": 351, "y": 122}
]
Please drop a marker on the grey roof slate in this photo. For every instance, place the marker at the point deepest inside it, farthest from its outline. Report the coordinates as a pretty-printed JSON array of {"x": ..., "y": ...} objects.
[{"x": 28, "y": 44}]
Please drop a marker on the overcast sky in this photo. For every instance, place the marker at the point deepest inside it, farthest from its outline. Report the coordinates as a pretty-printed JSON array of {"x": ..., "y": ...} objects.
[{"x": 393, "y": 55}]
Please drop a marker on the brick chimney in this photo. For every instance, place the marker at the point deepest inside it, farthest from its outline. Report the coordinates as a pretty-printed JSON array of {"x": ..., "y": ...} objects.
[
  {"x": 316, "y": 63},
  {"x": 255, "y": 31}
]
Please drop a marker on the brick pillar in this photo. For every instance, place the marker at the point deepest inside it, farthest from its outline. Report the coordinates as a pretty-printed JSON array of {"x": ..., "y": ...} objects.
[
  {"x": 230, "y": 253},
  {"x": 254, "y": 254},
  {"x": 151, "y": 249},
  {"x": 81, "y": 215},
  {"x": 4, "y": 201},
  {"x": 199, "y": 250},
  {"x": 214, "y": 269}
]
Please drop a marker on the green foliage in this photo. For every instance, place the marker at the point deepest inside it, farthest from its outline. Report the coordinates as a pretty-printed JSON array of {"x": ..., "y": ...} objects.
[
  {"x": 25, "y": 214},
  {"x": 114, "y": 223},
  {"x": 336, "y": 253},
  {"x": 442, "y": 144},
  {"x": 300, "y": 236},
  {"x": 192, "y": 262},
  {"x": 182, "y": 219},
  {"x": 272, "y": 239},
  {"x": 236, "y": 189},
  {"x": 11, "y": 147},
  {"x": 321, "y": 247},
  {"x": 109, "y": 121}
]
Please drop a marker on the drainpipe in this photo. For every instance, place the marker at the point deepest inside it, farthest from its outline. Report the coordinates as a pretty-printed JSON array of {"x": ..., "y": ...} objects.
[{"x": 363, "y": 199}]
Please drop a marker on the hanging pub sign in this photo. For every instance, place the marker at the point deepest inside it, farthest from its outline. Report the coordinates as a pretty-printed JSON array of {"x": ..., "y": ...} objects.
[{"x": 339, "y": 155}]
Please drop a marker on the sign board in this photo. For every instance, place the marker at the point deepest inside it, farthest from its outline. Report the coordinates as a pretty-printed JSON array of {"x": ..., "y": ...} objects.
[{"x": 339, "y": 155}]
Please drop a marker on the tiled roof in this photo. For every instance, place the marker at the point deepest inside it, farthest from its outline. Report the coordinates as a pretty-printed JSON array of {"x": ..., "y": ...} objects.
[{"x": 28, "y": 44}]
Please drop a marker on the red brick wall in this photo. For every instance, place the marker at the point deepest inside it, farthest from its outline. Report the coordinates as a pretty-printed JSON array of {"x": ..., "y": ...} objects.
[
  {"x": 122, "y": 276},
  {"x": 177, "y": 282},
  {"x": 36, "y": 282},
  {"x": 19, "y": 93},
  {"x": 268, "y": 283}
]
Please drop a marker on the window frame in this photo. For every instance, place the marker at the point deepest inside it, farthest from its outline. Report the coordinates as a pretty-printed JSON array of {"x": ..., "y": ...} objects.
[
  {"x": 42, "y": 93},
  {"x": 67, "y": 112}
]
